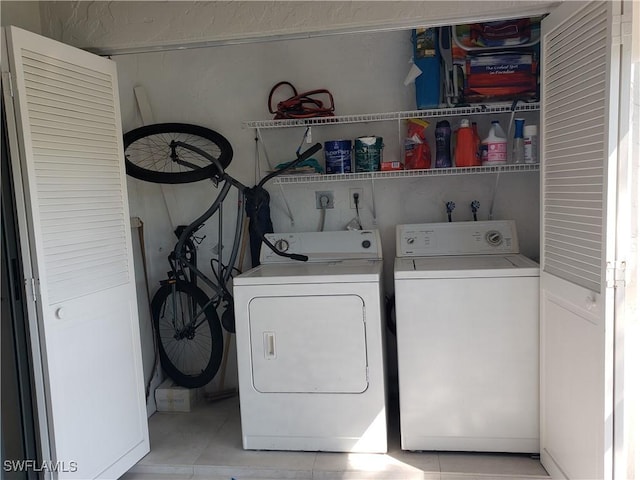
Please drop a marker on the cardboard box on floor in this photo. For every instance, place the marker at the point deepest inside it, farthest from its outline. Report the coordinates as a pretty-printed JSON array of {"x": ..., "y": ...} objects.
[{"x": 174, "y": 398}]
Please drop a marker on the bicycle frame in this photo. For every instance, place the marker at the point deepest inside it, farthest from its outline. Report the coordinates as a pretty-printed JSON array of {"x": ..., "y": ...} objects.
[{"x": 183, "y": 258}]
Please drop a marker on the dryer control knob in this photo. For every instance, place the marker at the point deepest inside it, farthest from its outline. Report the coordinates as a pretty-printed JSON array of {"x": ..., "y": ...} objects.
[
  {"x": 494, "y": 238},
  {"x": 282, "y": 245},
  {"x": 410, "y": 240},
  {"x": 366, "y": 243}
]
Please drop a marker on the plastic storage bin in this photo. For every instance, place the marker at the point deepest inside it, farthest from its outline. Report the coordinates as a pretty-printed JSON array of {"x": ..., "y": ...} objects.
[{"x": 426, "y": 57}]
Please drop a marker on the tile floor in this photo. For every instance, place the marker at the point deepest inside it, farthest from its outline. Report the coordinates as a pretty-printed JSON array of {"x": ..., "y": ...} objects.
[{"x": 206, "y": 444}]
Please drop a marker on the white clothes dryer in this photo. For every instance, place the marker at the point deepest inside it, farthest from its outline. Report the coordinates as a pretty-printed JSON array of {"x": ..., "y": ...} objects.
[
  {"x": 310, "y": 339},
  {"x": 468, "y": 341}
]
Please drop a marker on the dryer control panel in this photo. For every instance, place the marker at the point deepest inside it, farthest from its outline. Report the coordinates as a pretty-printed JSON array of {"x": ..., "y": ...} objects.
[
  {"x": 457, "y": 238},
  {"x": 324, "y": 246}
]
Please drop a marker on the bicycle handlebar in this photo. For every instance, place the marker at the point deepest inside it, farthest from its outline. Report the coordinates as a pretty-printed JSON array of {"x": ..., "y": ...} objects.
[
  {"x": 301, "y": 157},
  {"x": 188, "y": 231}
]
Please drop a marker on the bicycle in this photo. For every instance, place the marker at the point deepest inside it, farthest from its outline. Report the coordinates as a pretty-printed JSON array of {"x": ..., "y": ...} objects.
[{"x": 185, "y": 319}]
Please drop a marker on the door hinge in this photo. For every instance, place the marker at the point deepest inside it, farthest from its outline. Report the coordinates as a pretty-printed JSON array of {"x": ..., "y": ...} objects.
[
  {"x": 615, "y": 30},
  {"x": 31, "y": 286},
  {"x": 7, "y": 79},
  {"x": 621, "y": 30},
  {"x": 616, "y": 272}
]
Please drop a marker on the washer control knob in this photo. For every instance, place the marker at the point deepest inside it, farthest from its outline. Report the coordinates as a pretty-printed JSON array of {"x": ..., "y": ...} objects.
[
  {"x": 366, "y": 243},
  {"x": 494, "y": 238},
  {"x": 282, "y": 245},
  {"x": 410, "y": 240}
]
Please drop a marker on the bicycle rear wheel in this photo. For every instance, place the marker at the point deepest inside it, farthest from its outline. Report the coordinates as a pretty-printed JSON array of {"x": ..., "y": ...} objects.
[
  {"x": 190, "y": 348},
  {"x": 154, "y": 153}
]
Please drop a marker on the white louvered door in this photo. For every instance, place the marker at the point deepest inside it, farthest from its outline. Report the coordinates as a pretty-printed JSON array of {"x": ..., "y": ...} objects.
[
  {"x": 579, "y": 138},
  {"x": 70, "y": 156}
]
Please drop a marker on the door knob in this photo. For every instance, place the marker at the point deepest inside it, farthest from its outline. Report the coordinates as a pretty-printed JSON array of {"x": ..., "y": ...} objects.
[{"x": 590, "y": 302}]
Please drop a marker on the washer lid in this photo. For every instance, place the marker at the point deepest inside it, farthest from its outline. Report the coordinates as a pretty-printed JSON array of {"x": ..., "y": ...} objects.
[
  {"x": 345, "y": 271},
  {"x": 469, "y": 266}
]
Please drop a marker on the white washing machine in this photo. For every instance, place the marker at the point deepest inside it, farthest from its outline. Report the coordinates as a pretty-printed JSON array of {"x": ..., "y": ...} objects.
[
  {"x": 467, "y": 333},
  {"x": 310, "y": 342}
]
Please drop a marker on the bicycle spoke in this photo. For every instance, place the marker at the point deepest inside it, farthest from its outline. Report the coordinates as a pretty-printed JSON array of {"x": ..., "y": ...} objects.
[
  {"x": 157, "y": 153},
  {"x": 189, "y": 344}
]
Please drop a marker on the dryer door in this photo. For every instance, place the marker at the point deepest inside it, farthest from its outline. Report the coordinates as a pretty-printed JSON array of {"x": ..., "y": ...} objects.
[{"x": 308, "y": 344}]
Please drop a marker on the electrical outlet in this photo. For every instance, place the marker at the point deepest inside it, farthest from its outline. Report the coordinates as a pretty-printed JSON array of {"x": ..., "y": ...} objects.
[
  {"x": 324, "y": 199},
  {"x": 352, "y": 201}
]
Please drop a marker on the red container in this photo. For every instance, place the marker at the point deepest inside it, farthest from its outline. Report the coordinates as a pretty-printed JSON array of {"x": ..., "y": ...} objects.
[{"x": 466, "y": 153}]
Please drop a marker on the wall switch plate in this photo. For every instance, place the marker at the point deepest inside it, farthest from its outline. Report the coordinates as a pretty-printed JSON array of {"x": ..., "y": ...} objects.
[
  {"x": 324, "y": 199},
  {"x": 352, "y": 202}
]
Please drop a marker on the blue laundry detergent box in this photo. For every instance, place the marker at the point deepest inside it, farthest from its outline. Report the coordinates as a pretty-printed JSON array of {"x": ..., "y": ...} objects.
[{"x": 426, "y": 56}]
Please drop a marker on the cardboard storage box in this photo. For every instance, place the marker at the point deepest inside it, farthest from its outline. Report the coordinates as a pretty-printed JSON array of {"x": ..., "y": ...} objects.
[{"x": 174, "y": 398}]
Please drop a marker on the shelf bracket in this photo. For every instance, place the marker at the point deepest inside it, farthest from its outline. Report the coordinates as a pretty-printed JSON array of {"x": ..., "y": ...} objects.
[
  {"x": 260, "y": 143},
  {"x": 400, "y": 139},
  {"x": 286, "y": 205},
  {"x": 264, "y": 148}
]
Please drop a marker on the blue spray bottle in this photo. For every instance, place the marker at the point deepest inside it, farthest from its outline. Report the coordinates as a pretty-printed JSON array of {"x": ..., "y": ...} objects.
[{"x": 443, "y": 144}]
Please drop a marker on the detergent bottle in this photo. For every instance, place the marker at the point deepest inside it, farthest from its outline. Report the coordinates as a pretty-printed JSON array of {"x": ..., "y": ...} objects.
[
  {"x": 518, "y": 142},
  {"x": 494, "y": 146},
  {"x": 531, "y": 144},
  {"x": 443, "y": 144},
  {"x": 465, "y": 152}
]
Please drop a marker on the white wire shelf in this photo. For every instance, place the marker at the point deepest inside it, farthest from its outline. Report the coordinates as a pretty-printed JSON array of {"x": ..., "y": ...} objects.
[
  {"x": 433, "y": 172},
  {"x": 390, "y": 116}
]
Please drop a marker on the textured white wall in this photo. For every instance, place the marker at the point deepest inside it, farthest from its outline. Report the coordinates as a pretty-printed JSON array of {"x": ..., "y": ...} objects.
[
  {"x": 220, "y": 87},
  {"x": 23, "y": 14},
  {"x": 109, "y": 26}
]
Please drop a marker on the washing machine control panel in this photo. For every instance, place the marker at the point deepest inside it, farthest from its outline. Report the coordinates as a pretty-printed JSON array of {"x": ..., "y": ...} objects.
[
  {"x": 457, "y": 238},
  {"x": 324, "y": 246}
]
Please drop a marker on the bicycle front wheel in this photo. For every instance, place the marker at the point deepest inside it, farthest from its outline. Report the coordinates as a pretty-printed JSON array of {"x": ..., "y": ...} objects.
[
  {"x": 157, "y": 153},
  {"x": 188, "y": 332}
]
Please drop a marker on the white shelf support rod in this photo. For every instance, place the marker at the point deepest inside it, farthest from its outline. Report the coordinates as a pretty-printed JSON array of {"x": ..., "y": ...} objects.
[
  {"x": 400, "y": 141},
  {"x": 270, "y": 167},
  {"x": 493, "y": 196},
  {"x": 264, "y": 148},
  {"x": 286, "y": 205},
  {"x": 373, "y": 202}
]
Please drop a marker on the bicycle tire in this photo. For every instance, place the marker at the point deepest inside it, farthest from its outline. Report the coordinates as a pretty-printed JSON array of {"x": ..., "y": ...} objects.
[
  {"x": 194, "y": 359},
  {"x": 148, "y": 154}
]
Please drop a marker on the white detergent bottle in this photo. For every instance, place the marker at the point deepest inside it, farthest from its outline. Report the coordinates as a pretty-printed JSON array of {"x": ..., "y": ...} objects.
[
  {"x": 494, "y": 147},
  {"x": 531, "y": 144}
]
